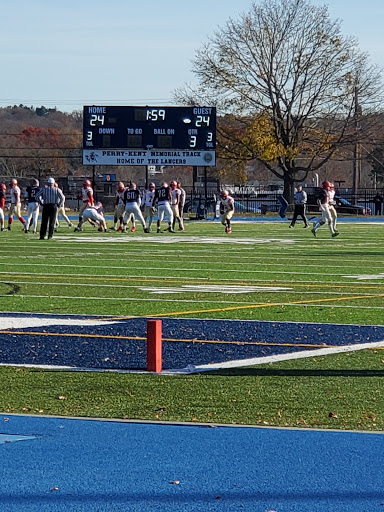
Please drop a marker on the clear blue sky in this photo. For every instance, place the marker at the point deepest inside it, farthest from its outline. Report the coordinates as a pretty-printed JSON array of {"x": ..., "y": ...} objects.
[{"x": 71, "y": 53}]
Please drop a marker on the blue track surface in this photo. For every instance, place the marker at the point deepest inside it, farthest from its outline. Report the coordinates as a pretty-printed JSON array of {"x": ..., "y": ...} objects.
[
  {"x": 113, "y": 352},
  {"x": 99, "y": 466}
]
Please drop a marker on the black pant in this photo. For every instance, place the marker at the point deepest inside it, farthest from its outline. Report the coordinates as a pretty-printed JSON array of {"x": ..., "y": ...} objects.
[
  {"x": 299, "y": 210},
  {"x": 48, "y": 220}
]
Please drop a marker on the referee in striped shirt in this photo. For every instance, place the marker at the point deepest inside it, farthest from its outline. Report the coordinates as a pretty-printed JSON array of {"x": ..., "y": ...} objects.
[{"x": 50, "y": 197}]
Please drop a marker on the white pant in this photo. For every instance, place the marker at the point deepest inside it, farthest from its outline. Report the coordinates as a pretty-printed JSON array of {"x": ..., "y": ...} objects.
[
  {"x": 32, "y": 216},
  {"x": 61, "y": 211},
  {"x": 165, "y": 210},
  {"x": 133, "y": 209}
]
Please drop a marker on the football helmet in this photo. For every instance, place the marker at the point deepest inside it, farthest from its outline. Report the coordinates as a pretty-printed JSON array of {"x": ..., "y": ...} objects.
[
  {"x": 87, "y": 183},
  {"x": 132, "y": 186},
  {"x": 151, "y": 186},
  {"x": 173, "y": 184},
  {"x": 34, "y": 182},
  {"x": 224, "y": 194},
  {"x": 13, "y": 182},
  {"x": 326, "y": 185},
  {"x": 99, "y": 205},
  {"x": 3, "y": 187},
  {"x": 120, "y": 186}
]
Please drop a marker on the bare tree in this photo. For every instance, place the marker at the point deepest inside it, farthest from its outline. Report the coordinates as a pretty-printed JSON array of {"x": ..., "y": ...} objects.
[{"x": 286, "y": 61}]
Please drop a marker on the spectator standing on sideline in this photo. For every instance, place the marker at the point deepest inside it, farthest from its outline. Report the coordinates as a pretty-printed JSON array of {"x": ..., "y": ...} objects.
[
  {"x": 15, "y": 204},
  {"x": 300, "y": 198},
  {"x": 3, "y": 190},
  {"x": 148, "y": 207},
  {"x": 378, "y": 200},
  {"x": 227, "y": 209},
  {"x": 50, "y": 198},
  {"x": 32, "y": 205}
]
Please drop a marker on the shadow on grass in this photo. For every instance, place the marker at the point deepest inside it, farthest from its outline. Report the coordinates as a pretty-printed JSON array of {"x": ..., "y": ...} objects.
[{"x": 265, "y": 372}]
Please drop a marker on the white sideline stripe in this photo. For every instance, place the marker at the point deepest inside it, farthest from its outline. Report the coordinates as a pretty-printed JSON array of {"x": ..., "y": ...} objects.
[
  {"x": 17, "y": 322},
  {"x": 274, "y": 359}
]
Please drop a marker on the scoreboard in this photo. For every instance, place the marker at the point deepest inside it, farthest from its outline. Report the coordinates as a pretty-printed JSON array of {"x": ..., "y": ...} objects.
[{"x": 149, "y": 135}]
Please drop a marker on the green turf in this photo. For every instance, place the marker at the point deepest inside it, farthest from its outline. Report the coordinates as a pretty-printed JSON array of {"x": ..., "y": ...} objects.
[{"x": 287, "y": 275}]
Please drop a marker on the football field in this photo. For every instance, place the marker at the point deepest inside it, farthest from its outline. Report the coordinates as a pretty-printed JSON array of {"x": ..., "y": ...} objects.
[{"x": 263, "y": 271}]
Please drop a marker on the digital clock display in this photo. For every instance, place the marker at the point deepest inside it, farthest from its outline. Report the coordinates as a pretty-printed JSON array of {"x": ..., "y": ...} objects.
[{"x": 178, "y": 128}]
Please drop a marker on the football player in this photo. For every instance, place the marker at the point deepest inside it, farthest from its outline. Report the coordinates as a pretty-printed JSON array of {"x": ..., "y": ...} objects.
[
  {"x": 132, "y": 202},
  {"x": 61, "y": 211},
  {"x": 95, "y": 215},
  {"x": 3, "y": 190},
  {"x": 15, "y": 208},
  {"x": 183, "y": 195},
  {"x": 323, "y": 202},
  {"x": 332, "y": 209},
  {"x": 175, "y": 200},
  {"x": 227, "y": 209},
  {"x": 32, "y": 205},
  {"x": 163, "y": 199},
  {"x": 119, "y": 207},
  {"x": 148, "y": 205},
  {"x": 86, "y": 197}
]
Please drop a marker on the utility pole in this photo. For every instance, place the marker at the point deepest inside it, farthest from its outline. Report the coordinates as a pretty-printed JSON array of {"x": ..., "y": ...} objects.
[{"x": 356, "y": 150}]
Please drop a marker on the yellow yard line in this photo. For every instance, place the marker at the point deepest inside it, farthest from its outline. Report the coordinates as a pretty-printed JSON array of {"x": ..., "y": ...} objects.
[
  {"x": 268, "y": 305},
  {"x": 177, "y": 340}
]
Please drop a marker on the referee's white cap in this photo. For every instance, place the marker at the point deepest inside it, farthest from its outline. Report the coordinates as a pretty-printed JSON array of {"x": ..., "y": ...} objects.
[{"x": 51, "y": 181}]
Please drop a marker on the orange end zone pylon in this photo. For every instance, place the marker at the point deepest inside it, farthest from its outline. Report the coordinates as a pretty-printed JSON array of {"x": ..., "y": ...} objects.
[{"x": 154, "y": 346}]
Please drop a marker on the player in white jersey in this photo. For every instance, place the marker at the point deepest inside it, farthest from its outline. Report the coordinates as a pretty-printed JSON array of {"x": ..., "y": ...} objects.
[
  {"x": 132, "y": 201},
  {"x": 61, "y": 212},
  {"x": 147, "y": 205},
  {"x": 227, "y": 209},
  {"x": 163, "y": 200},
  {"x": 175, "y": 200},
  {"x": 118, "y": 215},
  {"x": 183, "y": 196},
  {"x": 15, "y": 208},
  {"x": 323, "y": 202},
  {"x": 332, "y": 209},
  {"x": 95, "y": 215},
  {"x": 86, "y": 200}
]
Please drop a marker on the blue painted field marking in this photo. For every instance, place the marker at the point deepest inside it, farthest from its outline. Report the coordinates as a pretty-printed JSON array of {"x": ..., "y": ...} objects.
[
  {"x": 98, "y": 466},
  {"x": 121, "y": 344},
  {"x": 11, "y": 438}
]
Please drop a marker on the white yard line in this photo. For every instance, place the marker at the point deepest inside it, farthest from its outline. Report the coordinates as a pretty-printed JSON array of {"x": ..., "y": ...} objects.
[{"x": 274, "y": 359}]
